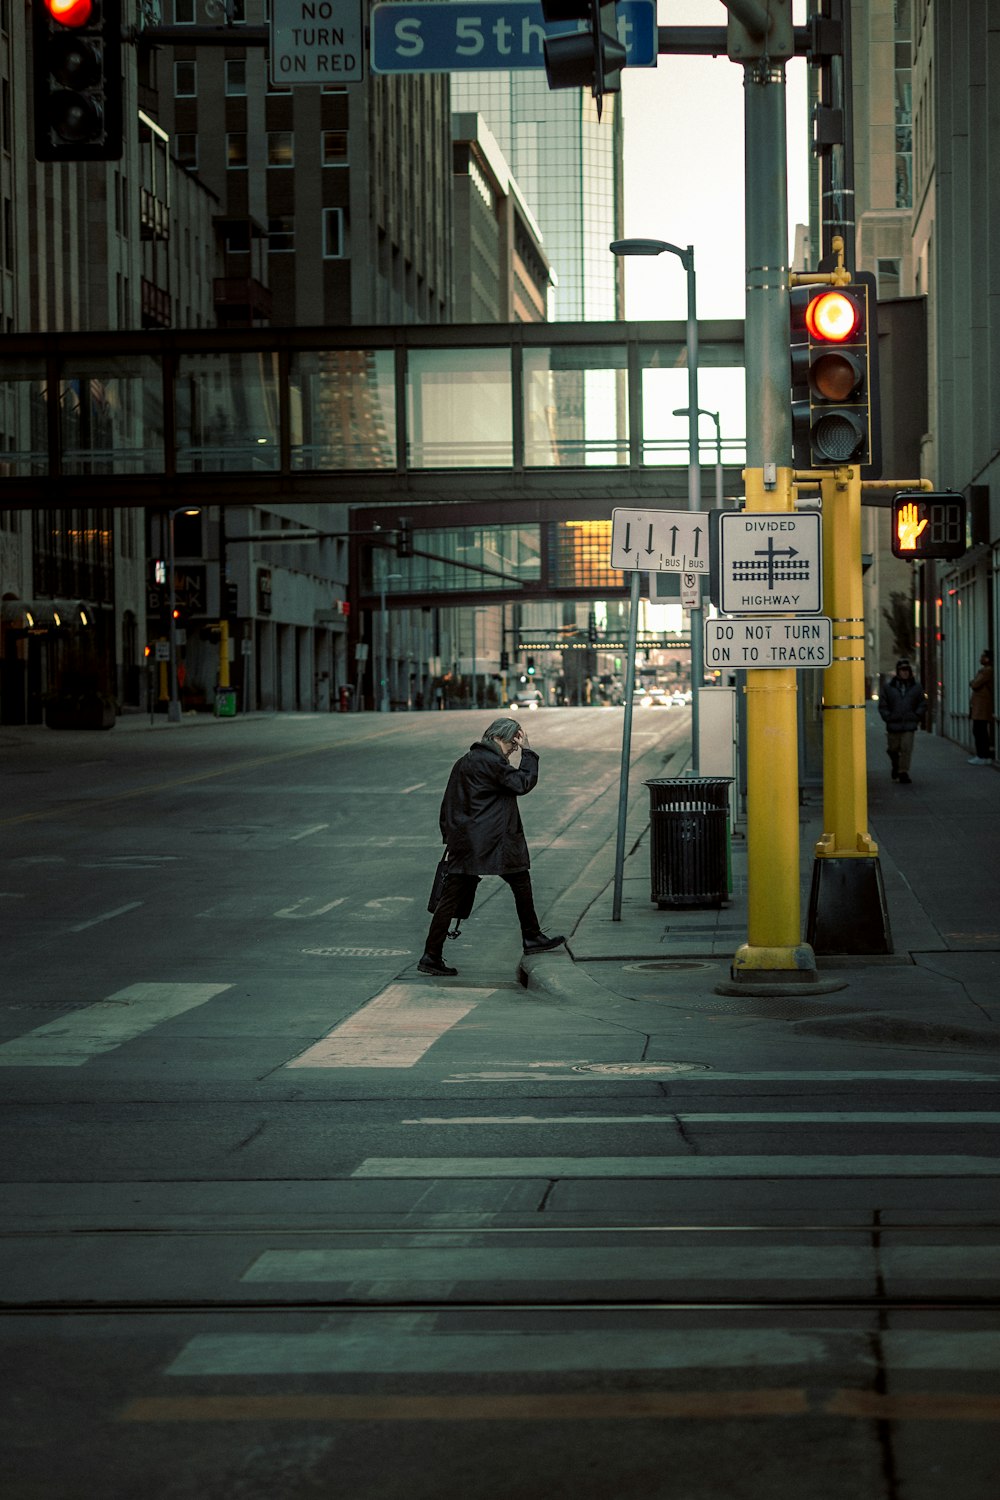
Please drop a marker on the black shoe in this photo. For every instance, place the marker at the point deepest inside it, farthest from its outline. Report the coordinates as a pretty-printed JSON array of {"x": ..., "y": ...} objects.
[
  {"x": 904, "y": 779},
  {"x": 539, "y": 943},
  {"x": 429, "y": 965},
  {"x": 895, "y": 775}
]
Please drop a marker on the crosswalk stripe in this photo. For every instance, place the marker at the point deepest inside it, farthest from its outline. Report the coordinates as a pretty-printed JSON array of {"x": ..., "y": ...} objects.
[
  {"x": 761, "y": 1117},
  {"x": 75, "y": 1038},
  {"x": 535, "y": 1263},
  {"x": 678, "y": 1166},
  {"x": 392, "y": 1031},
  {"x": 701, "y": 1406},
  {"x": 405, "y": 1343}
]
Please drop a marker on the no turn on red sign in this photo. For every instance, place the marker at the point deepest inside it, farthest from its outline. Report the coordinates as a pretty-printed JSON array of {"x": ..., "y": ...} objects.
[{"x": 317, "y": 42}]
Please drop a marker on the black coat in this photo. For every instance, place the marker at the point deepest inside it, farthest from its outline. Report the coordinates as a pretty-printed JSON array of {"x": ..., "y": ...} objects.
[
  {"x": 902, "y": 705},
  {"x": 480, "y": 821}
]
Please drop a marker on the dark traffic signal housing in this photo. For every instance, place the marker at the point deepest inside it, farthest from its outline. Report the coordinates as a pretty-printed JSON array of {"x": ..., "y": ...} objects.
[
  {"x": 584, "y": 59},
  {"x": 404, "y": 537},
  {"x": 928, "y": 523},
  {"x": 833, "y": 339},
  {"x": 77, "y": 76}
]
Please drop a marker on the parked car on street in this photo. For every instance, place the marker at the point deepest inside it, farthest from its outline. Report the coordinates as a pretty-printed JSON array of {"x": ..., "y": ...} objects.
[{"x": 527, "y": 700}]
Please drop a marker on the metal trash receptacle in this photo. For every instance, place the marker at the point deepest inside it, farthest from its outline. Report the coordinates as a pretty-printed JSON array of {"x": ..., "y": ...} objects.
[
  {"x": 225, "y": 703},
  {"x": 689, "y": 856}
]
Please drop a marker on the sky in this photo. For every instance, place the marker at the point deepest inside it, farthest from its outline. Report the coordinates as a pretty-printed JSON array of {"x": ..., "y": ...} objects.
[{"x": 684, "y": 171}]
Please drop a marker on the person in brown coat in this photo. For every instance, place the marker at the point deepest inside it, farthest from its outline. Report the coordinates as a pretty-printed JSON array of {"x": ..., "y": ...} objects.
[{"x": 981, "y": 710}]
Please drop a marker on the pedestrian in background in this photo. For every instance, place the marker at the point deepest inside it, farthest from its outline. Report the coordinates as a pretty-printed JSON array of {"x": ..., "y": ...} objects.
[
  {"x": 903, "y": 705},
  {"x": 981, "y": 710},
  {"x": 481, "y": 828}
]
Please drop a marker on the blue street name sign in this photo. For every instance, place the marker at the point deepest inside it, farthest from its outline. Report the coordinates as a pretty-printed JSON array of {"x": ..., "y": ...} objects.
[{"x": 454, "y": 36}]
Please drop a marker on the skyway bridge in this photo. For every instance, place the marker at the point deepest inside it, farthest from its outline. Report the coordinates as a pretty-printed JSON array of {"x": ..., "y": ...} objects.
[{"x": 461, "y": 428}]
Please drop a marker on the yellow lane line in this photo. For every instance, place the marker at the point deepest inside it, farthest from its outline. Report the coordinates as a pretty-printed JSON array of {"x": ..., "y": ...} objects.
[
  {"x": 635, "y": 1405},
  {"x": 64, "y": 810}
]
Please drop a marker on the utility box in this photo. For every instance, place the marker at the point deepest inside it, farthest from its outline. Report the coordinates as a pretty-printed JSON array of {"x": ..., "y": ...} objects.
[
  {"x": 689, "y": 852},
  {"x": 225, "y": 703}
]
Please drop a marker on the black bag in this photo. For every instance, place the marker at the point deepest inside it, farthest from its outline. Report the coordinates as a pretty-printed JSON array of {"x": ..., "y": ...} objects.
[{"x": 465, "y": 905}]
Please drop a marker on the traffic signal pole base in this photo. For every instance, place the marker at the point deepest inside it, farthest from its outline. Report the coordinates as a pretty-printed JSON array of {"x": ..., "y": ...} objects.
[
  {"x": 776, "y": 971},
  {"x": 847, "y": 906}
]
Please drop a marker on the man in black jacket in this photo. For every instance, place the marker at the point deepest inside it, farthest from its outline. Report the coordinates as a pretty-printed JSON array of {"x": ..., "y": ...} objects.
[
  {"x": 481, "y": 828},
  {"x": 903, "y": 707}
]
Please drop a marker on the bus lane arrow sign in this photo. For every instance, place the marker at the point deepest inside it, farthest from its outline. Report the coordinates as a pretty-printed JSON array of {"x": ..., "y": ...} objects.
[{"x": 659, "y": 541}]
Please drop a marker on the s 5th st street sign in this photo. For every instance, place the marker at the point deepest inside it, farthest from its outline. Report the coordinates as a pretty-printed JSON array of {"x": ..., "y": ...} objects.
[{"x": 452, "y": 36}]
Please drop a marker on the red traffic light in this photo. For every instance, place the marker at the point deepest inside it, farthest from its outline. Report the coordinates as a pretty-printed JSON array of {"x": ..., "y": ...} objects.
[
  {"x": 70, "y": 12},
  {"x": 833, "y": 317}
]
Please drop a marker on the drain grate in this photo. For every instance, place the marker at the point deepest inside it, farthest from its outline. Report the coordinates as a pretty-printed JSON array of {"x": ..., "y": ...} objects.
[{"x": 668, "y": 963}]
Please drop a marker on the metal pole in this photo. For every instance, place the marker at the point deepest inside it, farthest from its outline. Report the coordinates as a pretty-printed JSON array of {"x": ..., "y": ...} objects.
[
  {"x": 383, "y": 701},
  {"x": 694, "y": 503},
  {"x": 474, "y": 701},
  {"x": 718, "y": 459},
  {"x": 633, "y": 637},
  {"x": 173, "y": 706}
]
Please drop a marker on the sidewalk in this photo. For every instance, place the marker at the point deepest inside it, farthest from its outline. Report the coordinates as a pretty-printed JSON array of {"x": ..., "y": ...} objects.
[{"x": 938, "y": 845}]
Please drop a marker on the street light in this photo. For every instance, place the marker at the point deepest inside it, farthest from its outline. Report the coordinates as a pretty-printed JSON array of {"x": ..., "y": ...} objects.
[
  {"x": 686, "y": 258},
  {"x": 702, "y": 412},
  {"x": 174, "y": 704},
  {"x": 384, "y": 694},
  {"x": 479, "y": 610}
]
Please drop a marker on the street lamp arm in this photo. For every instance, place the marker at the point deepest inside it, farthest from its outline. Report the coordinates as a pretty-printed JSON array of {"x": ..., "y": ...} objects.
[{"x": 653, "y": 247}]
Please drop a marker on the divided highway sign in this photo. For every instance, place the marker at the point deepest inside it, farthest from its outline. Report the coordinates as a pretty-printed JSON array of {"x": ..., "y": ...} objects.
[{"x": 768, "y": 563}]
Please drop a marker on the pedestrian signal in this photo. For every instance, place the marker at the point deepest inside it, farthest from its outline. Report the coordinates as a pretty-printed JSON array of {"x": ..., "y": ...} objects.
[
  {"x": 834, "y": 375},
  {"x": 928, "y": 524}
]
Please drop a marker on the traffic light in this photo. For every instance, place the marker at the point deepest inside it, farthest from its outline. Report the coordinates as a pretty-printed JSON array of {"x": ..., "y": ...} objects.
[
  {"x": 531, "y": 666},
  {"x": 404, "y": 537},
  {"x": 504, "y": 661},
  {"x": 834, "y": 358},
  {"x": 593, "y": 58},
  {"x": 591, "y": 631},
  {"x": 77, "y": 70},
  {"x": 928, "y": 524}
]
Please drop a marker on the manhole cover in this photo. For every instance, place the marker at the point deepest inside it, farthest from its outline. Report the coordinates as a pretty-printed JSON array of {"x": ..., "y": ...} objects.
[
  {"x": 669, "y": 963},
  {"x": 639, "y": 1070}
]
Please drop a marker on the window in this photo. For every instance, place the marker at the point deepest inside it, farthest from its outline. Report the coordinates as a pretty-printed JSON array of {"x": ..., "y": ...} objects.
[
  {"x": 184, "y": 13},
  {"x": 236, "y": 76},
  {"x": 238, "y": 238},
  {"x": 185, "y": 80},
  {"x": 280, "y": 148},
  {"x": 280, "y": 235},
  {"x": 333, "y": 234},
  {"x": 186, "y": 150},
  {"x": 236, "y": 149},
  {"x": 335, "y": 148}
]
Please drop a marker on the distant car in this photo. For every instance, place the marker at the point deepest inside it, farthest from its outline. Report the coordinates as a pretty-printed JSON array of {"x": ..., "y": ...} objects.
[
  {"x": 678, "y": 700},
  {"x": 527, "y": 701},
  {"x": 651, "y": 697}
]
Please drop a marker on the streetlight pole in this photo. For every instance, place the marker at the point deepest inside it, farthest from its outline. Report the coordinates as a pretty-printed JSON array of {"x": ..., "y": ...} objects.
[
  {"x": 682, "y": 411},
  {"x": 174, "y": 703},
  {"x": 686, "y": 258},
  {"x": 475, "y": 679},
  {"x": 383, "y": 704}
]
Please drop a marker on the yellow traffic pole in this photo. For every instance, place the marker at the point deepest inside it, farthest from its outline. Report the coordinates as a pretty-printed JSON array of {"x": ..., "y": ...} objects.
[
  {"x": 847, "y": 906},
  {"x": 223, "y": 653},
  {"x": 773, "y": 950}
]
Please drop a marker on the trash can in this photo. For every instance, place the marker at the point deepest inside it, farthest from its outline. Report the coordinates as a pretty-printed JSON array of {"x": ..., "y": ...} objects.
[
  {"x": 689, "y": 854},
  {"x": 225, "y": 703}
]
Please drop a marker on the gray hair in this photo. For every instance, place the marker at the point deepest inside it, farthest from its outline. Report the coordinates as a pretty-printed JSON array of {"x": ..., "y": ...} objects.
[{"x": 502, "y": 729}]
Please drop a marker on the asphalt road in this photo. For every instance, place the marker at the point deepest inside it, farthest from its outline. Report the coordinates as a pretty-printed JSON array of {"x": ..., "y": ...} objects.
[{"x": 283, "y": 1218}]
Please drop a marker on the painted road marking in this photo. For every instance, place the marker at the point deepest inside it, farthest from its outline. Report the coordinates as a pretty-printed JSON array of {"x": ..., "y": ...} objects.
[
  {"x": 414, "y": 788},
  {"x": 677, "y": 1166},
  {"x": 413, "y": 1264},
  {"x": 82, "y": 1034},
  {"x": 406, "y": 1343},
  {"x": 106, "y": 916},
  {"x": 701, "y": 1406},
  {"x": 320, "y": 911},
  {"x": 688, "y": 1117},
  {"x": 580, "y": 1071},
  {"x": 392, "y": 1031},
  {"x": 293, "y": 838}
]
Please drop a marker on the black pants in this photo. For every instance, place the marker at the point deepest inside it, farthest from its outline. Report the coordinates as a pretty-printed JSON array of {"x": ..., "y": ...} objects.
[
  {"x": 454, "y": 885},
  {"x": 981, "y": 735}
]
